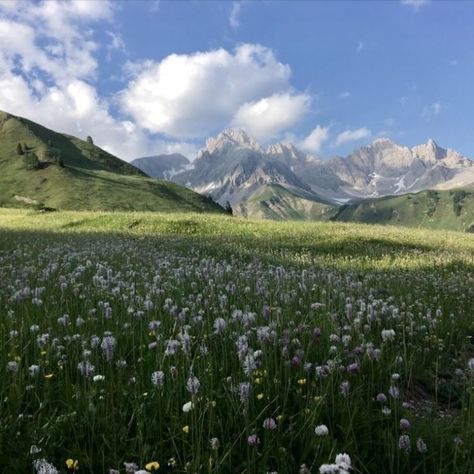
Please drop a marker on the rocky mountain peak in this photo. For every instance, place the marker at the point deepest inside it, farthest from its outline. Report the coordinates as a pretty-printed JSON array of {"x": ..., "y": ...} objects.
[
  {"x": 286, "y": 149},
  {"x": 230, "y": 139}
]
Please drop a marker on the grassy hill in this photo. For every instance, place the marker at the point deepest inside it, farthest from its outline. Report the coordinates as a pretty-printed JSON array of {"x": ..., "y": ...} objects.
[
  {"x": 279, "y": 203},
  {"x": 43, "y": 168},
  {"x": 450, "y": 210}
]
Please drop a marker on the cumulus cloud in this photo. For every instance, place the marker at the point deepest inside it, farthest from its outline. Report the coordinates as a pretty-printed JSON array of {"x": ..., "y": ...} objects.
[
  {"x": 269, "y": 117},
  {"x": 315, "y": 139},
  {"x": 190, "y": 96},
  {"x": 352, "y": 135}
]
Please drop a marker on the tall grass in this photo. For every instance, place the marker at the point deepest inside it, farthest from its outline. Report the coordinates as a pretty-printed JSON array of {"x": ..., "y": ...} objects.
[{"x": 287, "y": 327}]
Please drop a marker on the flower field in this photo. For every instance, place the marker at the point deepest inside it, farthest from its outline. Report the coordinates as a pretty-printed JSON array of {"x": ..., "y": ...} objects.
[{"x": 134, "y": 343}]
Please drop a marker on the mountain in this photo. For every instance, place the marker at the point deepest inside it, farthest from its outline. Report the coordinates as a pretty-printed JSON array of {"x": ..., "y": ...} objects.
[
  {"x": 40, "y": 167},
  {"x": 234, "y": 167},
  {"x": 450, "y": 210},
  {"x": 162, "y": 166}
]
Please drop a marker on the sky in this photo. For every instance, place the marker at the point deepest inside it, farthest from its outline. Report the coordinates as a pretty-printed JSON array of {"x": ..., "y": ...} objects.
[{"x": 150, "y": 77}]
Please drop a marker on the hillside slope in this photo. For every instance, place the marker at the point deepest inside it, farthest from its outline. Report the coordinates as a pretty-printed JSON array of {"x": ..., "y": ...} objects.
[
  {"x": 280, "y": 203},
  {"x": 41, "y": 167},
  {"x": 450, "y": 210}
]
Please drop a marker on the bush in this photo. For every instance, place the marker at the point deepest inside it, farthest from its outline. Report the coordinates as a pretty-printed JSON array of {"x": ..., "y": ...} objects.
[{"x": 32, "y": 161}]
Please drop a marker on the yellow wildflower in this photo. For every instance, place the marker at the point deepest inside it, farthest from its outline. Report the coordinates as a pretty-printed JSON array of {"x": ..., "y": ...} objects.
[
  {"x": 152, "y": 466},
  {"x": 49, "y": 376},
  {"x": 72, "y": 464},
  {"x": 259, "y": 396},
  {"x": 185, "y": 429},
  {"x": 301, "y": 381}
]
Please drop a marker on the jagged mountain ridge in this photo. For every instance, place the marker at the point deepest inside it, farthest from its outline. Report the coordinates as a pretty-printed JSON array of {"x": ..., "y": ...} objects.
[{"x": 233, "y": 166}]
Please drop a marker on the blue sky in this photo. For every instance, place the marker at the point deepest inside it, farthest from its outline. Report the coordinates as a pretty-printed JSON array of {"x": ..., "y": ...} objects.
[{"x": 150, "y": 77}]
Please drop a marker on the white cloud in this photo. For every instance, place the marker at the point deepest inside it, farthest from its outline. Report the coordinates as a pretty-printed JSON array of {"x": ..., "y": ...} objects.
[
  {"x": 315, "y": 139},
  {"x": 352, "y": 135},
  {"x": 190, "y": 96},
  {"x": 344, "y": 95},
  {"x": 360, "y": 47},
  {"x": 234, "y": 14},
  {"x": 269, "y": 117},
  {"x": 415, "y": 4}
]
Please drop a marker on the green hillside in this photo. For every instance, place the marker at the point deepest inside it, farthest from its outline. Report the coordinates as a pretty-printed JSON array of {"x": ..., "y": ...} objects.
[
  {"x": 43, "y": 168},
  {"x": 450, "y": 210},
  {"x": 279, "y": 203}
]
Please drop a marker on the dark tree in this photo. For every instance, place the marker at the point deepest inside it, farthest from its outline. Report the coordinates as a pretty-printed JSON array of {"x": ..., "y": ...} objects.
[
  {"x": 89, "y": 140},
  {"x": 19, "y": 149},
  {"x": 228, "y": 208}
]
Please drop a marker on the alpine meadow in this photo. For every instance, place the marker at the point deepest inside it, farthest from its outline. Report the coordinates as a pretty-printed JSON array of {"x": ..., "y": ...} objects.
[{"x": 229, "y": 243}]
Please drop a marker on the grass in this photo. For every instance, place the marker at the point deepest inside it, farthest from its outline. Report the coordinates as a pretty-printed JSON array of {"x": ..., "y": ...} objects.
[{"x": 283, "y": 321}]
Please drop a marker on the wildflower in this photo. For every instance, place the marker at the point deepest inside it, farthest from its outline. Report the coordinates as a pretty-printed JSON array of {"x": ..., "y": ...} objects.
[
  {"x": 108, "y": 346},
  {"x": 321, "y": 430},
  {"x": 421, "y": 446},
  {"x": 219, "y": 325},
  {"x": 98, "y": 378},
  {"x": 388, "y": 335},
  {"x": 34, "y": 370},
  {"x": 12, "y": 366},
  {"x": 187, "y": 407},
  {"x": 344, "y": 461},
  {"x": 344, "y": 388},
  {"x": 44, "y": 467},
  {"x": 404, "y": 443},
  {"x": 85, "y": 368},
  {"x": 34, "y": 449},
  {"x": 381, "y": 398},
  {"x": 130, "y": 467},
  {"x": 394, "y": 391},
  {"x": 342, "y": 465},
  {"x": 244, "y": 391},
  {"x": 185, "y": 429},
  {"x": 158, "y": 379},
  {"x": 302, "y": 382},
  {"x": 172, "y": 462},
  {"x": 404, "y": 424},
  {"x": 269, "y": 424},
  {"x": 253, "y": 440},
  {"x": 470, "y": 365},
  {"x": 72, "y": 464},
  {"x": 152, "y": 466},
  {"x": 386, "y": 411},
  {"x": 193, "y": 384},
  {"x": 214, "y": 442},
  {"x": 260, "y": 396}
]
